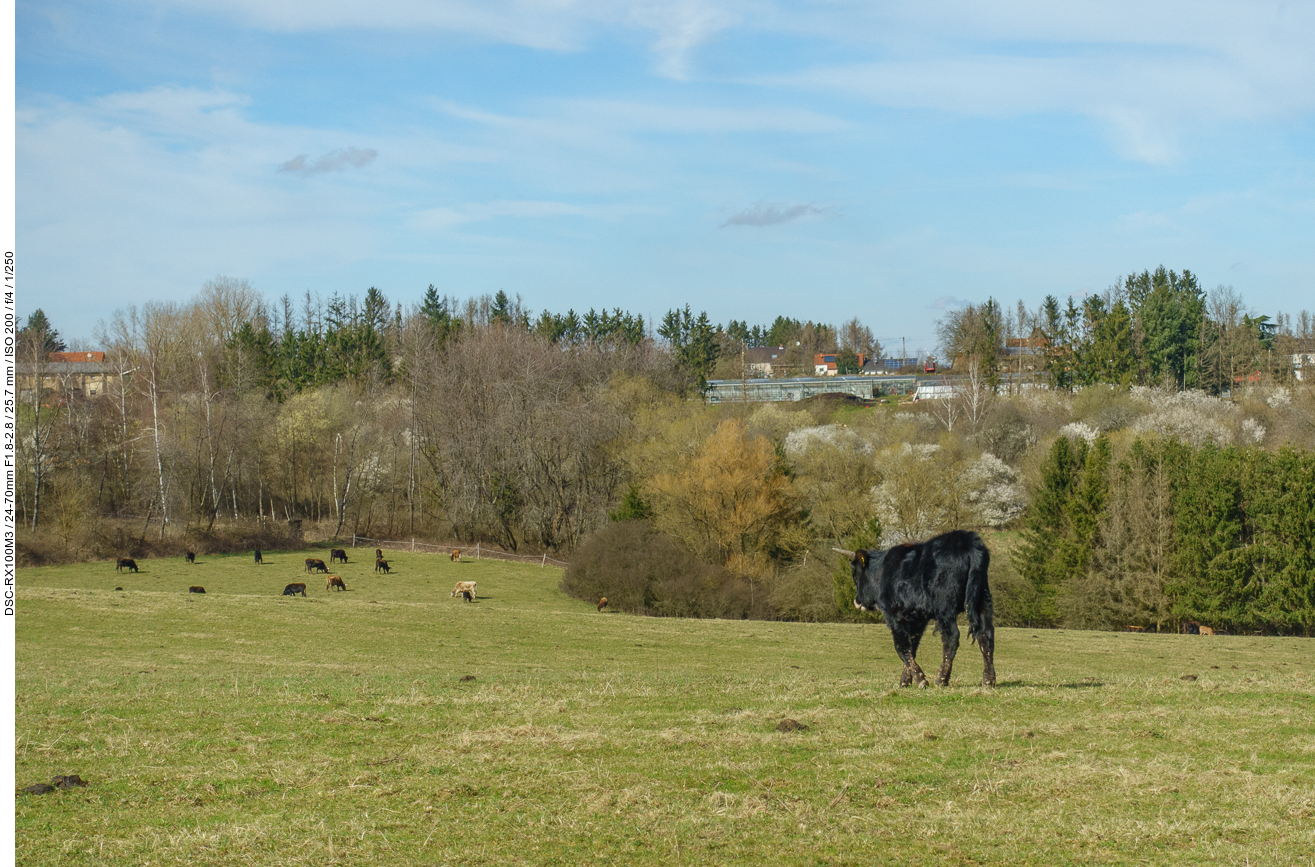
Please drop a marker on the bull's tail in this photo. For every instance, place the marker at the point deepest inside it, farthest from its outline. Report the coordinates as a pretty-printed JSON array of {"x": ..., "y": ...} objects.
[{"x": 977, "y": 595}]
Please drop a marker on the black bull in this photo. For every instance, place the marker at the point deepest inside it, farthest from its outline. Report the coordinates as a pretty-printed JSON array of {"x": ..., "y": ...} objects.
[{"x": 939, "y": 579}]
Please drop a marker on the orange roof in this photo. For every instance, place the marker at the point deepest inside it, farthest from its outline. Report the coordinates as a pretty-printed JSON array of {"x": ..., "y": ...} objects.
[{"x": 77, "y": 356}]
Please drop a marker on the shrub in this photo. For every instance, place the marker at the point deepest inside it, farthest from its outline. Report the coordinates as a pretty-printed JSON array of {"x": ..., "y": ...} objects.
[{"x": 641, "y": 570}]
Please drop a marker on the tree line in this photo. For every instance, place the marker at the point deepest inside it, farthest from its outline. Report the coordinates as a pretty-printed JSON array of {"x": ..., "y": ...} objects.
[
  {"x": 1165, "y": 532},
  {"x": 1154, "y": 328},
  {"x": 480, "y": 420}
]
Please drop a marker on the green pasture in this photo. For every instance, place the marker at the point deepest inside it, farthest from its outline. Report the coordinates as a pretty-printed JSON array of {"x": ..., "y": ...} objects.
[{"x": 393, "y": 724}]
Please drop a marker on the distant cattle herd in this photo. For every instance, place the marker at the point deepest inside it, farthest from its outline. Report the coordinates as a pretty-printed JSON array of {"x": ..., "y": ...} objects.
[{"x": 464, "y": 589}]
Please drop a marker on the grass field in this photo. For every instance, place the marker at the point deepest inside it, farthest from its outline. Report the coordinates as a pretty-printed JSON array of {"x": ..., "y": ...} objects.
[{"x": 241, "y": 727}]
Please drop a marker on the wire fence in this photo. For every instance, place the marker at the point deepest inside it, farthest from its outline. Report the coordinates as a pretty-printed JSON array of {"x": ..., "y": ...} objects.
[{"x": 477, "y": 551}]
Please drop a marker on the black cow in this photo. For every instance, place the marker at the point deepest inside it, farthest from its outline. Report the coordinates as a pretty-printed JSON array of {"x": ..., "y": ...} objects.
[
  {"x": 337, "y": 555},
  {"x": 195, "y": 589},
  {"x": 258, "y": 558},
  {"x": 125, "y": 563},
  {"x": 190, "y": 556},
  {"x": 911, "y": 585},
  {"x": 294, "y": 589},
  {"x": 315, "y": 565},
  {"x": 381, "y": 565}
]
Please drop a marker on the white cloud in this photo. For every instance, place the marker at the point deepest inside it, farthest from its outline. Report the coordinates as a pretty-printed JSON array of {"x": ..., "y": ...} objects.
[
  {"x": 557, "y": 25},
  {"x": 948, "y": 302},
  {"x": 335, "y": 161},
  {"x": 773, "y": 214},
  {"x": 682, "y": 27},
  {"x": 570, "y": 118},
  {"x": 449, "y": 217}
]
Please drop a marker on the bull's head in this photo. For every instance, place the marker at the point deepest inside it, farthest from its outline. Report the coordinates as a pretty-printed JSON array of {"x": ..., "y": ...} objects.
[{"x": 866, "y": 574}]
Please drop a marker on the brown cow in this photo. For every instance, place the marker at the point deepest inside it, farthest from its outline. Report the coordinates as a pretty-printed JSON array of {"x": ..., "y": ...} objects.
[
  {"x": 294, "y": 589},
  {"x": 1206, "y": 630},
  {"x": 190, "y": 557},
  {"x": 381, "y": 565},
  {"x": 378, "y": 553},
  {"x": 125, "y": 563},
  {"x": 456, "y": 555},
  {"x": 195, "y": 589},
  {"x": 602, "y": 603},
  {"x": 1134, "y": 629},
  {"x": 465, "y": 589},
  {"x": 337, "y": 555},
  {"x": 333, "y": 581},
  {"x": 314, "y": 565}
]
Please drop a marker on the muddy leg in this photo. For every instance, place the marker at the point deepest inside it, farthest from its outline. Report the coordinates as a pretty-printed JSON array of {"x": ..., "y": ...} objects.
[
  {"x": 906, "y": 645},
  {"x": 949, "y": 647},
  {"x": 988, "y": 661},
  {"x": 918, "y": 674}
]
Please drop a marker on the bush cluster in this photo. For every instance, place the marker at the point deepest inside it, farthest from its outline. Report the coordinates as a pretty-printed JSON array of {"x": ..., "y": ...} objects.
[{"x": 641, "y": 570}]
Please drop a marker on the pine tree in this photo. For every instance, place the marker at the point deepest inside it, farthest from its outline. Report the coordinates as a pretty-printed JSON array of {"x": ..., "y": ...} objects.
[
  {"x": 1044, "y": 554},
  {"x": 693, "y": 344},
  {"x": 39, "y": 335},
  {"x": 438, "y": 313}
]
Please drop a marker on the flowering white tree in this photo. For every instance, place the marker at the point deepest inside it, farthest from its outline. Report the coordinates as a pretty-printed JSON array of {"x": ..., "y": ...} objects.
[
  {"x": 1190, "y": 416},
  {"x": 930, "y": 489}
]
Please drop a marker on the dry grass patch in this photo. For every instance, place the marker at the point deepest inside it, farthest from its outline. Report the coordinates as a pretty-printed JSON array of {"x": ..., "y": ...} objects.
[{"x": 245, "y": 728}]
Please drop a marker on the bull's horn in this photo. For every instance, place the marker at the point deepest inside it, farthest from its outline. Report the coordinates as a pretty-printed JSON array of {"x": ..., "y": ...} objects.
[{"x": 849, "y": 554}]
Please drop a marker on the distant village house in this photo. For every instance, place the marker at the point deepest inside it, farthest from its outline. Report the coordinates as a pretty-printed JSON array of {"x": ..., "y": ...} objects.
[{"x": 67, "y": 372}]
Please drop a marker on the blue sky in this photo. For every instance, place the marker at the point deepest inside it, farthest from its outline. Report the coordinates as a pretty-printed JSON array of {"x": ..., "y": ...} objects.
[{"x": 820, "y": 160}]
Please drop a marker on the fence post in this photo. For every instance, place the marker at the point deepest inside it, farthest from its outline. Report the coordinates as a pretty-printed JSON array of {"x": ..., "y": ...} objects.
[{"x": 413, "y": 544}]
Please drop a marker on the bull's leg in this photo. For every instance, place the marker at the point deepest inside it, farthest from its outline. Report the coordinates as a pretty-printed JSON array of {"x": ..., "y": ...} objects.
[
  {"x": 906, "y": 645},
  {"x": 984, "y": 635},
  {"x": 949, "y": 647},
  {"x": 987, "y": 643}
]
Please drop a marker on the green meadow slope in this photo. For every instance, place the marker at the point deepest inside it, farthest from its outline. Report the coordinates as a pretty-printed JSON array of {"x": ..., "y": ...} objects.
[{"x": 394, "y": 724}]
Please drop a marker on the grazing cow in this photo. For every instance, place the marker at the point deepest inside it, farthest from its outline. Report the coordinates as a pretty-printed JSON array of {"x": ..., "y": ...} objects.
[
  {"x": 294, "y": 589},
  {"x": 125, "y": 563},
  {"x": 195, "y": 589},
  {"x": 1134, "y": 629},
  {"x": 332, "y": 582},
  {"x": 337, "y": 555},
  {"x": 456, "y": 555},
  {"x": 190, "y": 556},
  {"x": 258, "y": 559},
  {"x": 314, "y": 565},
  {"x": 381, "y": 565},
  {"x": 911, "y": 585},
  {"x": 1205, "y": 630},
  {"x": 465, "y": 589},
  {"x": 602, "y": 603}
]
